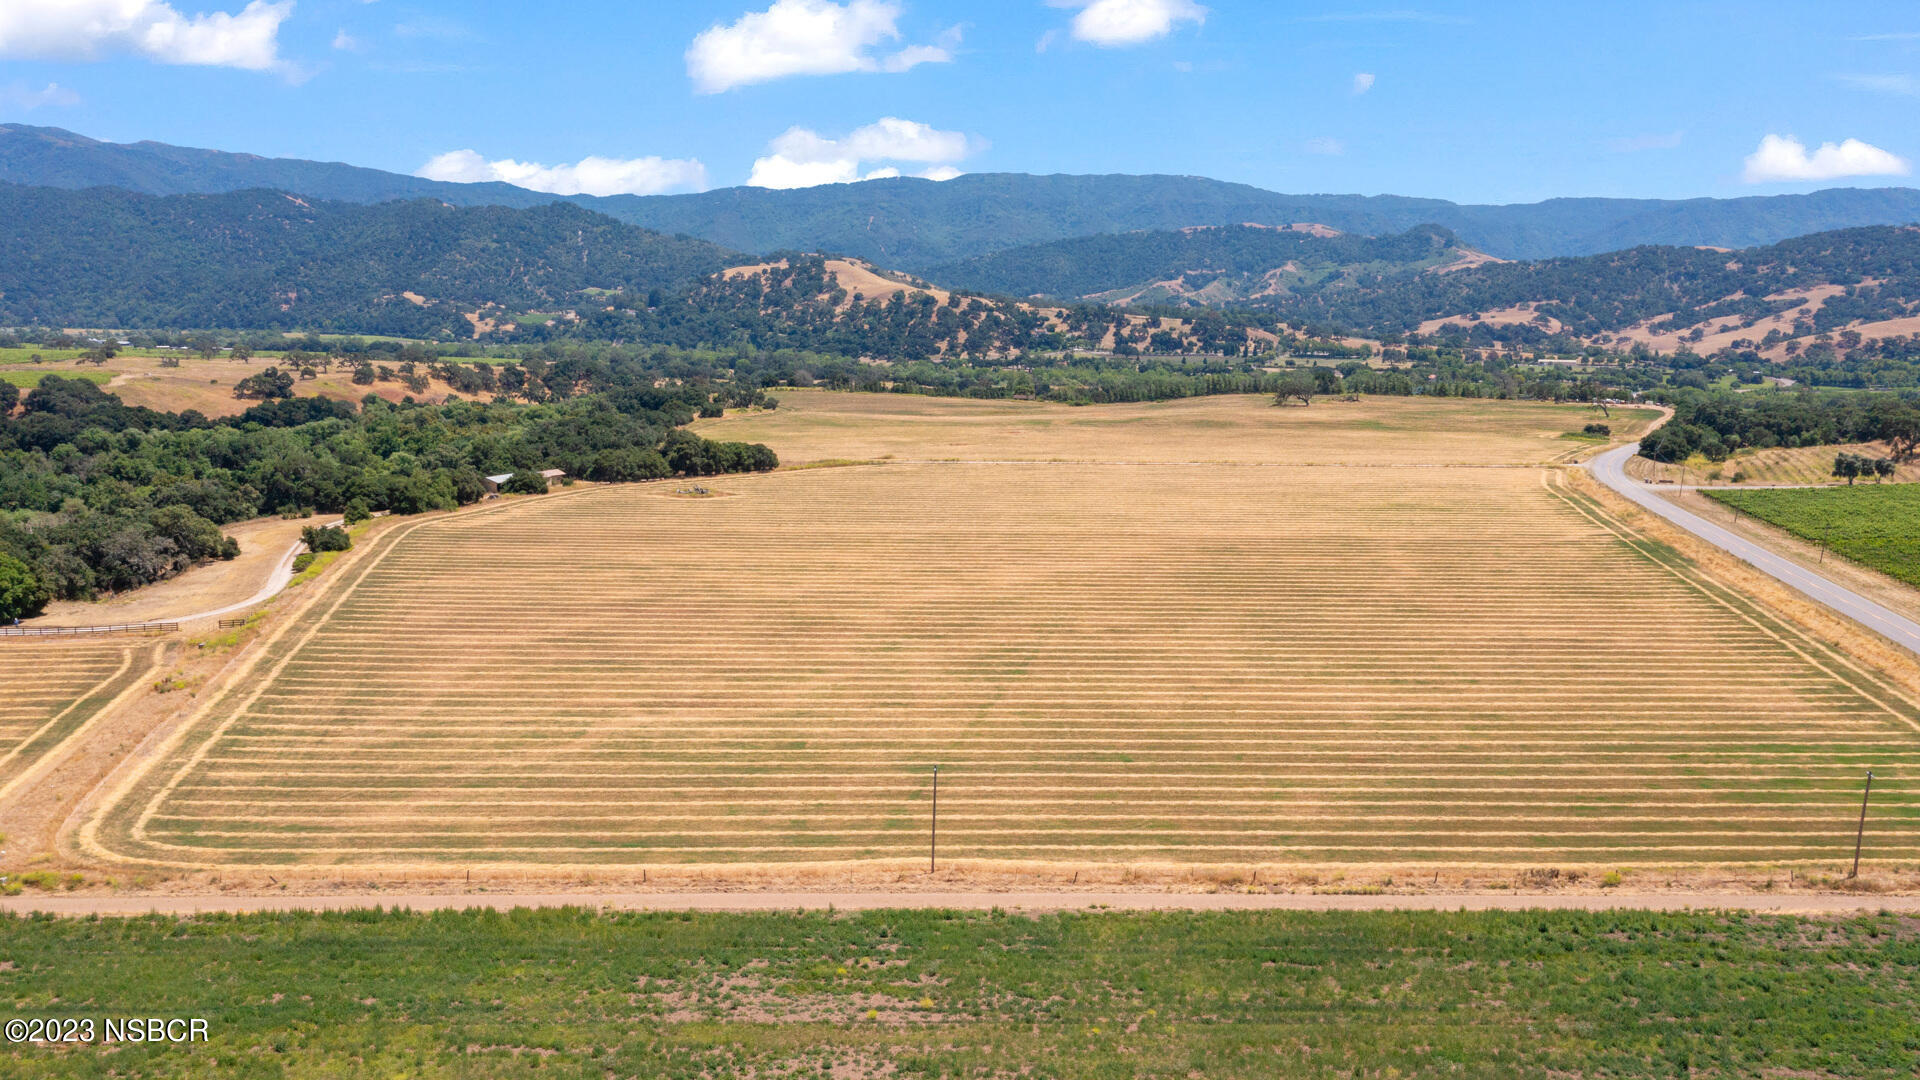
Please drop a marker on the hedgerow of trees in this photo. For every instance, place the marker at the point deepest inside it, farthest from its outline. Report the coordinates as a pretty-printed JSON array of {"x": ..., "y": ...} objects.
[
  {"x": 1717, "y": 425},
  {"x": 97, "y": 496}
]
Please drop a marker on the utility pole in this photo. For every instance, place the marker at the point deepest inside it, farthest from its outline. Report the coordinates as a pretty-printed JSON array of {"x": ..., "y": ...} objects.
[
  {"x": 933, "y": 836},
  {"x": 1860, "y": 837}
]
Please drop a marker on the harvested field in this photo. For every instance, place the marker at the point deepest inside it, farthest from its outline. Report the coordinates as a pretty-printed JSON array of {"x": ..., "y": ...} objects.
[
  {"x": 1807, "y": 464},
  {"x": 815, "y": 425},
  {"x": 1110, "y": 663},
  {"x": 49, "y": 687},
  {"x": 1781, "y": 466}
]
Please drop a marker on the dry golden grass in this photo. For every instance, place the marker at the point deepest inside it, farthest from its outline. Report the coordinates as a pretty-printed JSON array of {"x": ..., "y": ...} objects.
[
  {"x": 1806, "y": 465},
  {"x": 814, "y": 425},
  {"x": 857, "y": 277},
  {"x": 207, "y": 385},
  {"x": 1154, "y": 663},
  {"x": 50, "y": 686},
  {"x": 1799, "y": 466}
]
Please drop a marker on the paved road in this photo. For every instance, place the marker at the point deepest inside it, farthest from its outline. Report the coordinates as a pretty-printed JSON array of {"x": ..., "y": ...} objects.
[
  {"x": 1609, "y": 469},
  {"x": 972, "y": 901}
]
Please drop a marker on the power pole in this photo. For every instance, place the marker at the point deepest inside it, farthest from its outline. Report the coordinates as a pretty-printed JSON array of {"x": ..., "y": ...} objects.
[
  {"x": 1860, "y": 837},
  {"x": 933, "y": 836}
]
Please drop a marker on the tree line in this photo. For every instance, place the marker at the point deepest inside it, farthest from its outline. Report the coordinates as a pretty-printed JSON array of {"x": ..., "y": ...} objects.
[
  {"x": 97, "y": 496},
  {"x": 1717, "y": 425}
]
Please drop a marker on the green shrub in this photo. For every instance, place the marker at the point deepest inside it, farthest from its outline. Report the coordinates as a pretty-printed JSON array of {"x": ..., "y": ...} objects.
[
  {"x": 22, "y": 593},
  {"x": 628, "y": 464},
  {"x": 525, "y": 482},
  {"x": 325, "y": 538}
]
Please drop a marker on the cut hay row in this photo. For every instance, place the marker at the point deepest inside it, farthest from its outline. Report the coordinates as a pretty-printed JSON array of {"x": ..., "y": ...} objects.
[
  {"x": 1806, "y": 465},
  {"x": 1109, "y": 662},
  {"x": 49, "y": 687}
]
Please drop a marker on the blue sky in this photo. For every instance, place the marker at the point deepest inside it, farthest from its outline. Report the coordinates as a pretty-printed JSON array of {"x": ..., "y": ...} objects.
[{"x": 1476, "y": 102}]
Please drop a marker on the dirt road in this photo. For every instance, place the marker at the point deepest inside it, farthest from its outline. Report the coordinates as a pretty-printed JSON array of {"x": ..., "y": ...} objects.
[{"x": 1786, "y": 901}]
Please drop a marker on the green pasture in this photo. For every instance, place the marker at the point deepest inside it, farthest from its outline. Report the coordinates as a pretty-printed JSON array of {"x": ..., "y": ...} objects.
[
  {"x": 29, "y": 379},
  {"x": 1877, "y": 525},
  {"x": 575, "y": 993}
]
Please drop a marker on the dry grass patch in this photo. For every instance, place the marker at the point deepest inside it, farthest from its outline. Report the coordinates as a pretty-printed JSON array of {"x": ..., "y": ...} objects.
[
  {"x": 49, "y": 687},
  {"x": 812, "y": 425}
]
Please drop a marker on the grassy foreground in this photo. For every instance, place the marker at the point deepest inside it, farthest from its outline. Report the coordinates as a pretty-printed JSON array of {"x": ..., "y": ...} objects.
[
  {"x": 571, "y": 993},
  {"x": 1875, "y": 525}
]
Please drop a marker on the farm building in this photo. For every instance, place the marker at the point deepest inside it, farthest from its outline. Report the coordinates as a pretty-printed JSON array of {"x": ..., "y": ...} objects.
[{"x": 495, "y": 483}]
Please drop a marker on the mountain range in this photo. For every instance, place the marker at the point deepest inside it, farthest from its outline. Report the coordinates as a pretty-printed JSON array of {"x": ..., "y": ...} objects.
[
  {"x": 267, "y": 260},
  {"x": 916, "y": 225},
  {"x": 263, "y": 260}
]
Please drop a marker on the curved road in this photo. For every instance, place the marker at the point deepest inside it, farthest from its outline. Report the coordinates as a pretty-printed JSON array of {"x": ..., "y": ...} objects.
[
  {"x": 1609, "y": 469},
  {"x": 279, "y": 579}
]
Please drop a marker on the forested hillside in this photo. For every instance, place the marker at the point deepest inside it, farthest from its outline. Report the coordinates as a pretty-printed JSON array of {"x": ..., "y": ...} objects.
[
  {"x": 266, "y": 260},
  {"x": 52, "y": 157},
  {"x": 834, "y": 306},
  {"x": 916, "y": 224},
  {"x": 1240, "y": 265},
  {"x": 261, "y": 260},
  {"x": 1398, "y": 283},
  {"x": 1877, "y": 271}
]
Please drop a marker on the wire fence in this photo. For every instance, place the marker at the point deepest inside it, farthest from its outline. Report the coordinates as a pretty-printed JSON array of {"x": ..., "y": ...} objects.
[{"x": 85, "y": 631}]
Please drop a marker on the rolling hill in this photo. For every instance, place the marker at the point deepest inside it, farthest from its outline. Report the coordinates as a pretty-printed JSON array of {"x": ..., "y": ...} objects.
[
  {"x": 268, "y": 260},
  {"x": 918, "y": 224},
  {"x": 263, "y": 260},
  {"x": 1210, "y": 266},
  {"x": 1866, "y": 279}
]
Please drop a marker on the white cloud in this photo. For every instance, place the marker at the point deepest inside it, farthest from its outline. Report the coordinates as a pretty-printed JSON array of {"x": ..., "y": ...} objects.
[
  {"x": 346, "y": 42},
  {"x": 807, "y": 37},
  {"x": 1326, "y": 147},
  {"x": 1363, "y": 82},
  {"x": 591, "y": 176},
  {"x": 1633, "y": 144},
  {"x": 18, "y": 97},
  {"x": 89, "y": 29},
  {"x": 803, "y": 158},
  {"x": 1785, "y": 158},
  {"x": 1115, "y": 23}
]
